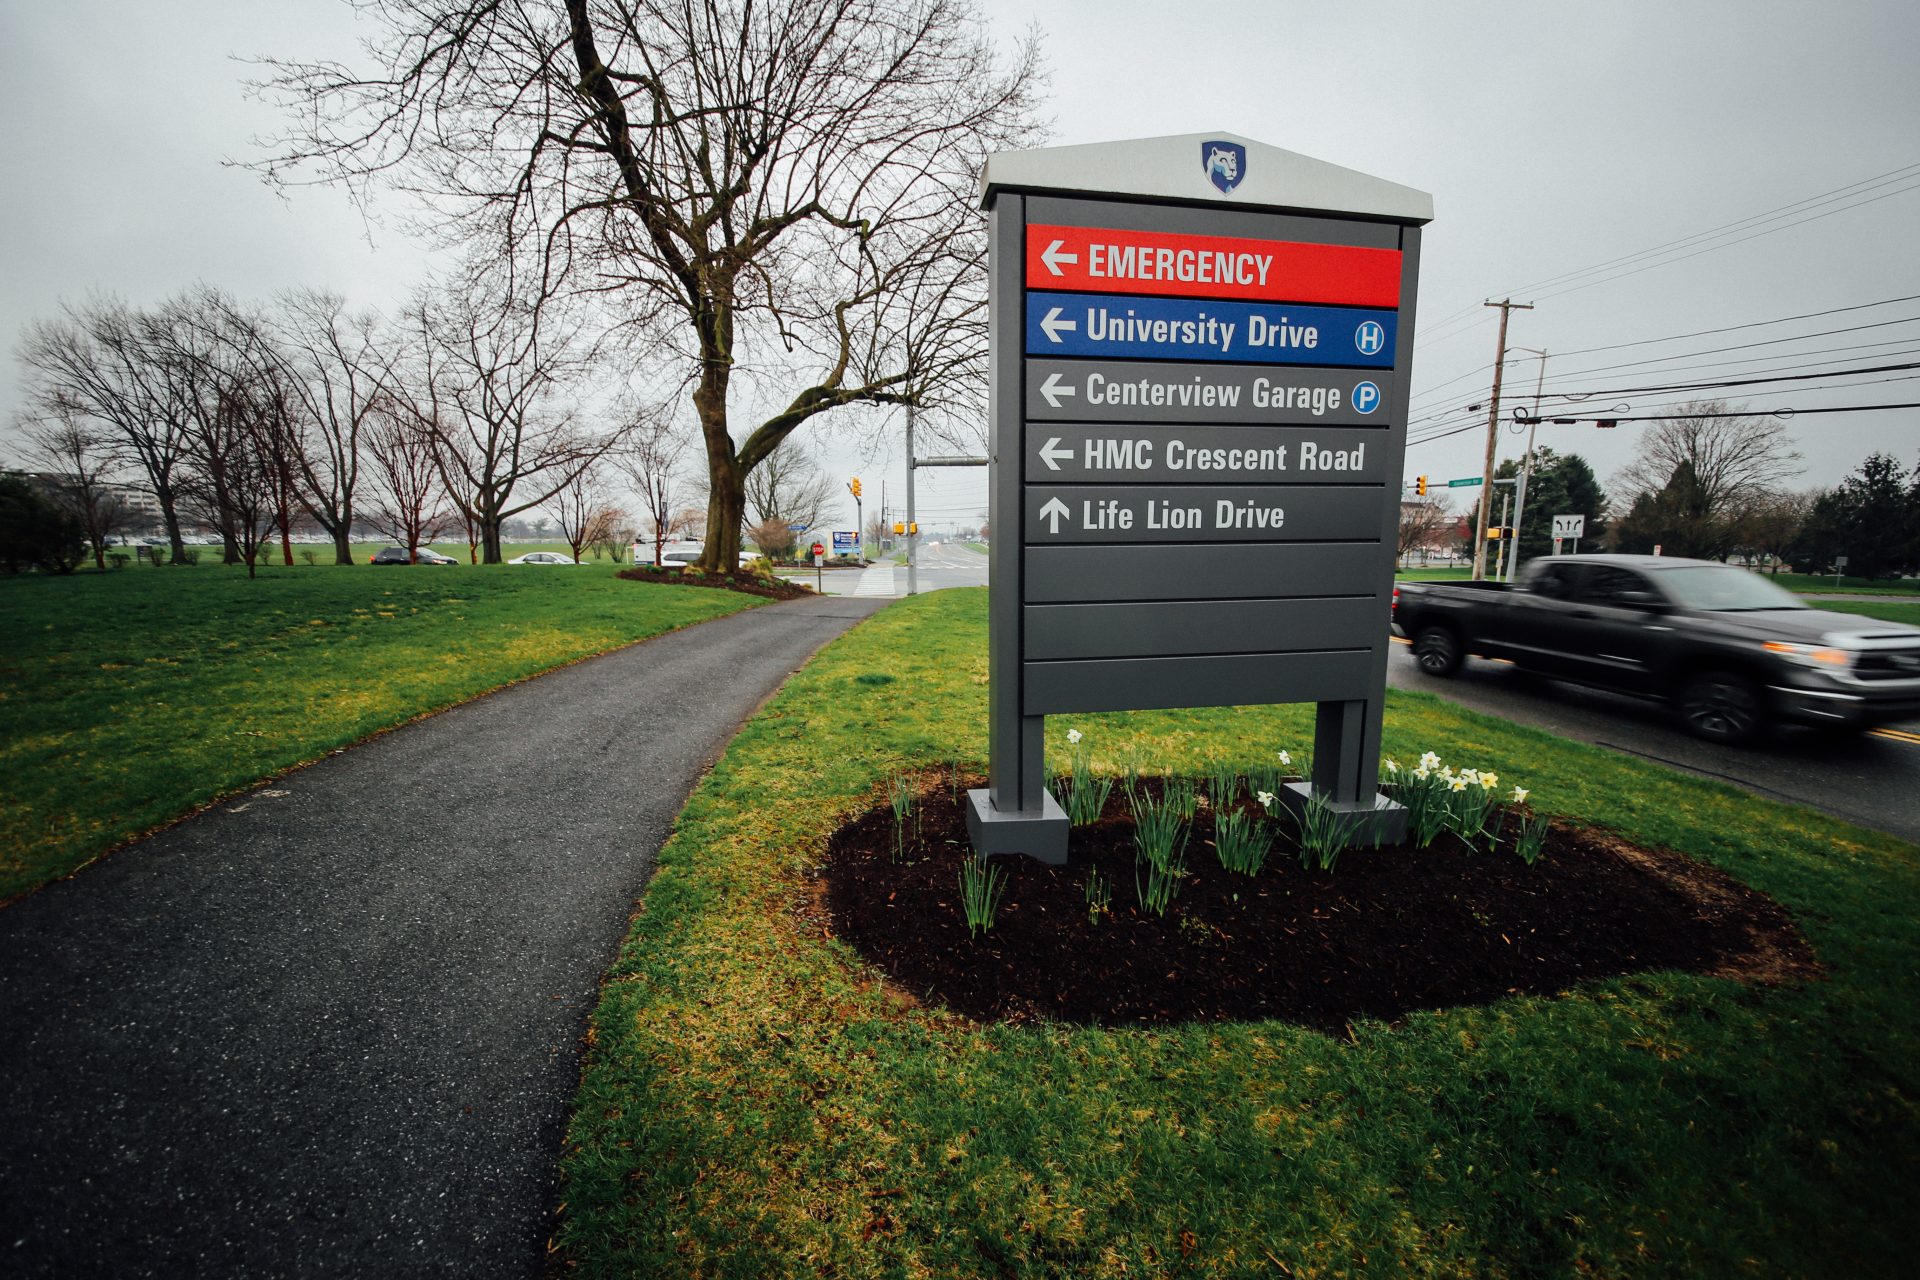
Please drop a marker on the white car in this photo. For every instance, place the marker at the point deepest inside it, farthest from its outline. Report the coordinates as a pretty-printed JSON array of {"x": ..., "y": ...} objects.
[{"x": 541, "y": 557}]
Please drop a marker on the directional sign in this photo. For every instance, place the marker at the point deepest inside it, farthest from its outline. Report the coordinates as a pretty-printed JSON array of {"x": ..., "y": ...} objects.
[
  {"x": 1192, "y": 513},
  {"x": 1199, "y": 353},
  {"x": 1467, "y": 483},
  {"x": 1087, "y": 324},
  {"x": 1180, "y": 454},
  {"x": 1104, "y": 260},
  {"x": 845, "y": 542},
  {"x": 1142, "y": 391},
  {"x": 1570, "y": 526}
]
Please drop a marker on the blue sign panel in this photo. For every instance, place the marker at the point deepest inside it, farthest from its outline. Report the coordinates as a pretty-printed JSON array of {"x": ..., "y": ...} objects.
[
  {"x": 845, "y": 541},
  {"x": 1091, "y": 324}
]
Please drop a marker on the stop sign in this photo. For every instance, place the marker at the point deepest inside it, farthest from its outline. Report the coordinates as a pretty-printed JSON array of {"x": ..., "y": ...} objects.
[{"x": 819, "y": 550}]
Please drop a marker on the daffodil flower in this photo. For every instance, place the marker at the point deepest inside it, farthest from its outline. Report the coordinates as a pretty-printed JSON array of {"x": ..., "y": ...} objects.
[
  {"x": 1471, "y": 776},
  {"x": 1422, "y": 773},
  {"x": 1429, "y": 761},
  {"x": 1459, "y": 784},
  {"x": 1520, "y": 794},
  {"x": 1392, "y": 767},
  {"x": 1265, "y": 798},
  {"x": 1489, "y": 780},
  {"x": 1073, "y": 735},
  {"x": 1285, "y": 758}
]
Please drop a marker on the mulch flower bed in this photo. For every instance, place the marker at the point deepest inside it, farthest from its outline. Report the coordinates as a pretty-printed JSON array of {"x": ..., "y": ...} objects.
[
  {"x": 751, "y": 583},
  {"x": 1386, "y": 932}
]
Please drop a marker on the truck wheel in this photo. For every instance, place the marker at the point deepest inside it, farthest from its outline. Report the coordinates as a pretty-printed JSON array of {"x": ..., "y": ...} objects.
[
  {"x": 1437, "y": 650},
  {"x": 1721, "y": 707}
]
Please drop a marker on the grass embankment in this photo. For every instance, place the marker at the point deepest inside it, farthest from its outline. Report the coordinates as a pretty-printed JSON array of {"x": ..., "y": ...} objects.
[
  {"x": 1898, "y": 611},
  {"x": 756, "y": 1105},
  {"x": 130, "y": 698}
]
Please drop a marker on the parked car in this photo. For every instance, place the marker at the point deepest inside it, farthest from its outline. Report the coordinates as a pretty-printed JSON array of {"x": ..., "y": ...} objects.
[
  {"x": 398, "y": 555},
  {"x": 1727, "y": 649},
  {"x": 542, "y": 557}
]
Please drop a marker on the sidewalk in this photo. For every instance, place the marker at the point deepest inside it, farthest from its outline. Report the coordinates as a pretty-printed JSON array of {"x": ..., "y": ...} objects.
[{"x": 331, "y": 1026}]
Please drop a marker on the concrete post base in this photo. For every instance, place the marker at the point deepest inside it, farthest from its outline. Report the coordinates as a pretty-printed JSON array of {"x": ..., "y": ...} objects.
[
  {"x": 1041, "y": 835},
  {"x": 1384, "y": 822}
]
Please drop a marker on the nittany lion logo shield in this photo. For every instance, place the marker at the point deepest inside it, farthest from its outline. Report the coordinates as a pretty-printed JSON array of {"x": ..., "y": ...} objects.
[{"x": 1225, "y": 164}]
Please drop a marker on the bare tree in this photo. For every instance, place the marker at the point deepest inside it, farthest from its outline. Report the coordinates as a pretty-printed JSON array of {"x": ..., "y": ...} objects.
[
  {"x": 1725, "y": 458},
  {"x": 783, "y": 187},
  {"x": 408, "y": 502},
  {"x": 1423, "y": 523},
  {"x": 74, "y": 453},
  {"x": 582, "y": 510},
  {"x": 790, "y": 485},
  {"x": 336, "y": 362},
  {"x": 1772, "y": 524},
  {"x": 492, "y": 370},
  {"x": 97, "y": 361},
  {"x": 654, "y": 460}
]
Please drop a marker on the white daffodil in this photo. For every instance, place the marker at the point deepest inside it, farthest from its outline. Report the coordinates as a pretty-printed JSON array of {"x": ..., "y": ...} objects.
[
  {"x": 1429, "y": 761},
  {"x": 1447, "y": 773},
  {"x": 1392, "y": 766},
  {"x": 1073, "y": 735},
  {"x": 1265, "y": 798},
  {"x": 1489, "y": 780},
  {"x": 1471, "y": 776},
  {"x": 1285, "y": 758},
  {"x": 1459, "y": 784},
  {"x": 1520, "y": 794},
  {"x": 1422, "y": 773}
]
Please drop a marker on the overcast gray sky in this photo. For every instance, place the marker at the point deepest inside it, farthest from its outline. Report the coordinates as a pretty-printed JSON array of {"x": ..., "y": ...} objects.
[{"x": 1553, "y": 138}]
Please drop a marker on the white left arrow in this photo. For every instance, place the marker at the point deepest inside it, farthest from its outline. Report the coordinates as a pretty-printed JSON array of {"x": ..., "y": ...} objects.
[
  {"x": 1052, "y": 256},
  {"x": 1050, "y": 451},
  {"x": 1054, "y": 512},
  {"x": 1053, "y": 389},
  {"x": 1053, "y": 324}
]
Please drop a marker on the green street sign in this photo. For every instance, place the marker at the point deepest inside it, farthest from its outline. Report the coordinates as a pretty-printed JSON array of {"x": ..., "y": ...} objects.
[{"x": 1462, "y": 484}]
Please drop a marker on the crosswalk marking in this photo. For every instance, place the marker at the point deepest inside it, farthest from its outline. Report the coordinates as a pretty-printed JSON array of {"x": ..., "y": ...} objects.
[{"x": 875, "y": 580}]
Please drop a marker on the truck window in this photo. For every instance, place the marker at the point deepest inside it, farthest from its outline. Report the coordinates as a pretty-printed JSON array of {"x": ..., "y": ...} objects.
[{"x": 1606, "y": 584}]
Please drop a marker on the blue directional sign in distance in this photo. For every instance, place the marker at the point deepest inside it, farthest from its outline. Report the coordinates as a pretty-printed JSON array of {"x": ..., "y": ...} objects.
[
  {"x": 1365, "y": 397},
  {"x": 1090, "y": 324}
]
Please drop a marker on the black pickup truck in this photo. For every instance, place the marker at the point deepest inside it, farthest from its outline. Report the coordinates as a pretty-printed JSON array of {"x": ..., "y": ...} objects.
[{"x": 1727, "y": 649}]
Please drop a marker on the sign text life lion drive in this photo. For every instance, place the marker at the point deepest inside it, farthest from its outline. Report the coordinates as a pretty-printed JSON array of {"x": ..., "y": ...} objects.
[{"x": 1200, "y": 349}]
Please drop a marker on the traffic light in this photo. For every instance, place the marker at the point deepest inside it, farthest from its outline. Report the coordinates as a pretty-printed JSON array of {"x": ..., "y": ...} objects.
[
  {"x": 1420, "y": 485},
  {"x": 898, "y": 527},
  {"x": 914, "y": 527},
  {"x": 855, "y": 486}
]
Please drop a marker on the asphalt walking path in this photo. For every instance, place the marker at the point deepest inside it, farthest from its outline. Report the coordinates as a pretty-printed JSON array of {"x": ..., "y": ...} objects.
[{"x": 330, "y": 1027}]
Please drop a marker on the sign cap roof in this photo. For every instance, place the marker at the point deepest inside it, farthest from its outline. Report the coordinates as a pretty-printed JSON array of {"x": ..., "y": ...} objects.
[{"x": 1170, "y": 169}]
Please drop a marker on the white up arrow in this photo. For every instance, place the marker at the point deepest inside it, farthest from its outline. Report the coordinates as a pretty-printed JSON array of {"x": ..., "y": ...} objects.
[
  {"x": 1053, "y": 324},
  {"x": 1052, "y": 256},
  {"x": 1053, "y": 512},
  {"x": 1053, "y": 389},
  {"x": 1050, "y": 451}
]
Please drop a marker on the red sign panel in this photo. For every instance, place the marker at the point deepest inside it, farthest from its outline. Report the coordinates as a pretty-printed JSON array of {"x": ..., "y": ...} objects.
[{"x": 1098, "y": 260}]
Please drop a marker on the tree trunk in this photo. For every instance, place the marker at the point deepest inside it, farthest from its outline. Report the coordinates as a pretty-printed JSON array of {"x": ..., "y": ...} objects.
[
  {"x": 342, "y": 545},
  {"x": 490, "y": 540}
]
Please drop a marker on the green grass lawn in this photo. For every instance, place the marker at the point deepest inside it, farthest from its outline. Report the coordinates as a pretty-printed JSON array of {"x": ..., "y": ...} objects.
[
  {"x": 754, "y": 1104},
  {"x": 1901, "y": 611},
  {"x": 132, "y": 697}
]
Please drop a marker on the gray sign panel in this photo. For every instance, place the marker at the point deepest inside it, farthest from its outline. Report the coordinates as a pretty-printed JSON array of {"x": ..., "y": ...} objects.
[
  {"x": 1233, "y": 680},
  {"x": 1161, "y": 630},
  {"x": 1207, "y": 455},
  {"x": 1194, "y": 513},
  {"x": 1230, "y": 571},
  {"x": 1156, "y": 391}
]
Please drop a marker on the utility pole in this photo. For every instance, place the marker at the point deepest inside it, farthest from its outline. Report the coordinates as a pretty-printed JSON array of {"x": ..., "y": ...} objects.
[
  {"x": 1493, "y": 437},
  {"x": 1526, "y": 461}
]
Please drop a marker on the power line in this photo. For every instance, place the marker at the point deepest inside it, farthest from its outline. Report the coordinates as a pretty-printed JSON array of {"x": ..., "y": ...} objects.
[{"x": 1733, "y": 328}]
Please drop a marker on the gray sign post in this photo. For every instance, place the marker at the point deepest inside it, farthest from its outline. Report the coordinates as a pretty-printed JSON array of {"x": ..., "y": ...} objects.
[{"x": 1199, "y": 352}]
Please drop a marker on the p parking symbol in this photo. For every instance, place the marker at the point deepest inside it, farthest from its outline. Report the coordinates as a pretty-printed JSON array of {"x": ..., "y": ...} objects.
[{"x": 1366, "y": 397}]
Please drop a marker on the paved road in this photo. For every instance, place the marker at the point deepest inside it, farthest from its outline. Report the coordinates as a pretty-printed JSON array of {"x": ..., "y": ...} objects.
[
  {"x": 1869, "y": 779},
  {"x": 329, "y": 1028},
  {"x": 942, "y": 565}
]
